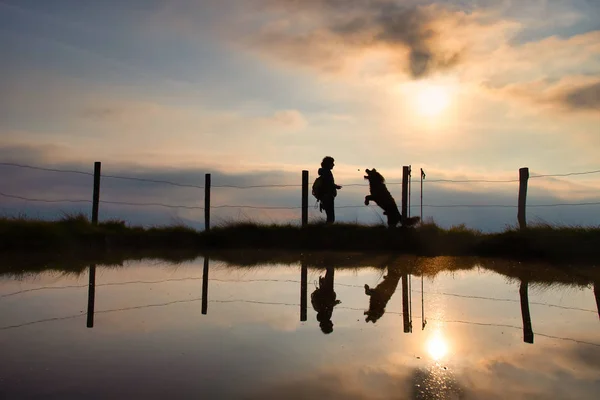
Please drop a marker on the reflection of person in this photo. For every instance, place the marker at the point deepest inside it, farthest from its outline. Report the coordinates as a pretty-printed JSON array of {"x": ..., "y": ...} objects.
[
  {"x": 323, "y": 300},
  {"x": 329, "y": 188}
]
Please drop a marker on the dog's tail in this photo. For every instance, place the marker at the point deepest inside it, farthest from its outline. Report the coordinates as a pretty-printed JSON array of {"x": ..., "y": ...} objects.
[{"x": 411, "y": 221}]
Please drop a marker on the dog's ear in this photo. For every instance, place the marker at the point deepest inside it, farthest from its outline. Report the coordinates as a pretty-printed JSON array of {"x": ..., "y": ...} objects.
[{"x": 367, "y": 171}]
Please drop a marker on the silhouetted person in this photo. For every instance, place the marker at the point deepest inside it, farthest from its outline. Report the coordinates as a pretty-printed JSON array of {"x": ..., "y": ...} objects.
[
  {"x": 329, "y": 188},
  {"x": 380, "y": 296},
  {"x": 323, "y": 300}
]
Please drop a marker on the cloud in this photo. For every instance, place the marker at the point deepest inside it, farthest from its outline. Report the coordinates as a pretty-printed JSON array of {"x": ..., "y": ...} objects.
[
  {"x": 584, "y": 98},
  {"x": 531, "y": 375},
  {"x": 292, "y": 119},
  {"x": 140, "y": 116},
  {"x": 331, "y": 35},
  {"x": 578, "y": 95}
]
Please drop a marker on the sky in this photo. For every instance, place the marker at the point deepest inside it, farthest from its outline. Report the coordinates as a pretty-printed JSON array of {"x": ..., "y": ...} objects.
[{"x": 255, "y": 91}]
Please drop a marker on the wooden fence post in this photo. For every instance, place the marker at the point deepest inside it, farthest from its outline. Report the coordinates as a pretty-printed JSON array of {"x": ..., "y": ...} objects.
[
  {"x": 523, "y": 178},
  {"x": 91, "y": 297},
  {"x": 96, "y": 194},
  {"x": 205, "y": 286},
  {"x": 303, "y": 292},
  {"x": 207, "y": 202},
  {"x": 405, "y": 174},
  {"x": 304, "y": 198}
]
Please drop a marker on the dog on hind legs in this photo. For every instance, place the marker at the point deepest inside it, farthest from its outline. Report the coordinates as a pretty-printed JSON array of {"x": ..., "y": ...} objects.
[{"x": 382, "y": 196}]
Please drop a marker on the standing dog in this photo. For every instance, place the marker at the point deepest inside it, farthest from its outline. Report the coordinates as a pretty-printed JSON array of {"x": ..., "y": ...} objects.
[{"x": 382, "y": 196}]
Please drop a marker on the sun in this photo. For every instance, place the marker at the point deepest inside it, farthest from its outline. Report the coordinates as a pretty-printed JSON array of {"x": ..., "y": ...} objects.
[
  {"x": 432, "y": 100},
  {"x": 437, "y": 346}
]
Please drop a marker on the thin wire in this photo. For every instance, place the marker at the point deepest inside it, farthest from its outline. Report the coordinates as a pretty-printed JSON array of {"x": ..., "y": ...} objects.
[
  {"x": 269, "y": 303},
  {"x": 193, "y": 278},
  {"x": 101, "y": 201},
  {"x": 142, "y": 179},
  {"x": 470, "y": 206},
  {"x": 565, "y": 204},
  {"x": 471, "y": 181},
  {"x": 254, "y": 186},
  {"x": 367, "y": 185},
  {"x": 567, "y": 174},
  {"x": 43, "y": 200},
  {"x": 258, "y": 207},
  {"x": 45, "y": 169},
  {"x": 152, "y": 181},
  {"x": 151, "y": 205}
]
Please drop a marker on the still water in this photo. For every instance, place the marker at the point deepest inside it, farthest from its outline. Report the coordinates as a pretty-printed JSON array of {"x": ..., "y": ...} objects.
[{"x": 209, "y": 329}]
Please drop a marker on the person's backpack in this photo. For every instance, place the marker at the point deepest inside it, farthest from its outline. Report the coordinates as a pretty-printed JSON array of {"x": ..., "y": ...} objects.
[{"x": 317, "y": 188}]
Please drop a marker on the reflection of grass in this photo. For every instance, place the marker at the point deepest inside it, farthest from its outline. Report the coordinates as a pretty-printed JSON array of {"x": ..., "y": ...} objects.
[{"x": 76, "y": 234}]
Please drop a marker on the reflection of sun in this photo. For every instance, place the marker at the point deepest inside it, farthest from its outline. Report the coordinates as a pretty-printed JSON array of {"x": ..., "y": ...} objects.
[
  {"x": 437, "y": 346},
  {"x": 432, "y": 100}
]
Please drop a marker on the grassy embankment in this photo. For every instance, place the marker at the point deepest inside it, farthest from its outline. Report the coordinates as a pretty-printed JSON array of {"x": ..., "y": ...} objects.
[{"x": 75, "y": 234}]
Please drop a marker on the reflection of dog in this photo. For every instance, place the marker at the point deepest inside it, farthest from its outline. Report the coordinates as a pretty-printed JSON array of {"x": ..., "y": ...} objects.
[
  {"x": 380, "y": 296},
  {"x": 382, "y": 196}
]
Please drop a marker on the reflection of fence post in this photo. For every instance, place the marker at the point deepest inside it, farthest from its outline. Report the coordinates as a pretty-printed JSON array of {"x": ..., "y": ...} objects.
[
  {"x": 597, "y": 295},
  {"x": 527, "y": 329},
  {"x": 303, "y": 291},
  {"x": 405, "y": 305},
  {"x": 96, "y": 194},
  {"x": 423, "y": 320},
  {"x": 205, "y": 287},
  {"x": 91, "y": 297},
  {"x": 523, "y": 178},
  {"x": 405, "y": 174},
  {"x": 207, "y": 202},
  {"x": 304, "y": 198}
]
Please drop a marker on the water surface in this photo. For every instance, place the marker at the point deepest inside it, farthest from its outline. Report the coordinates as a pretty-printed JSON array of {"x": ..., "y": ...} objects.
[{"x": 207, "y": 329}]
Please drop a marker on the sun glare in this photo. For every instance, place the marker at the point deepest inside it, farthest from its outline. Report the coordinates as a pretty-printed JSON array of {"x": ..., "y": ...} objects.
[
  {"x": 432, "y": 100},
  {"x": 437, "y": 346}
]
